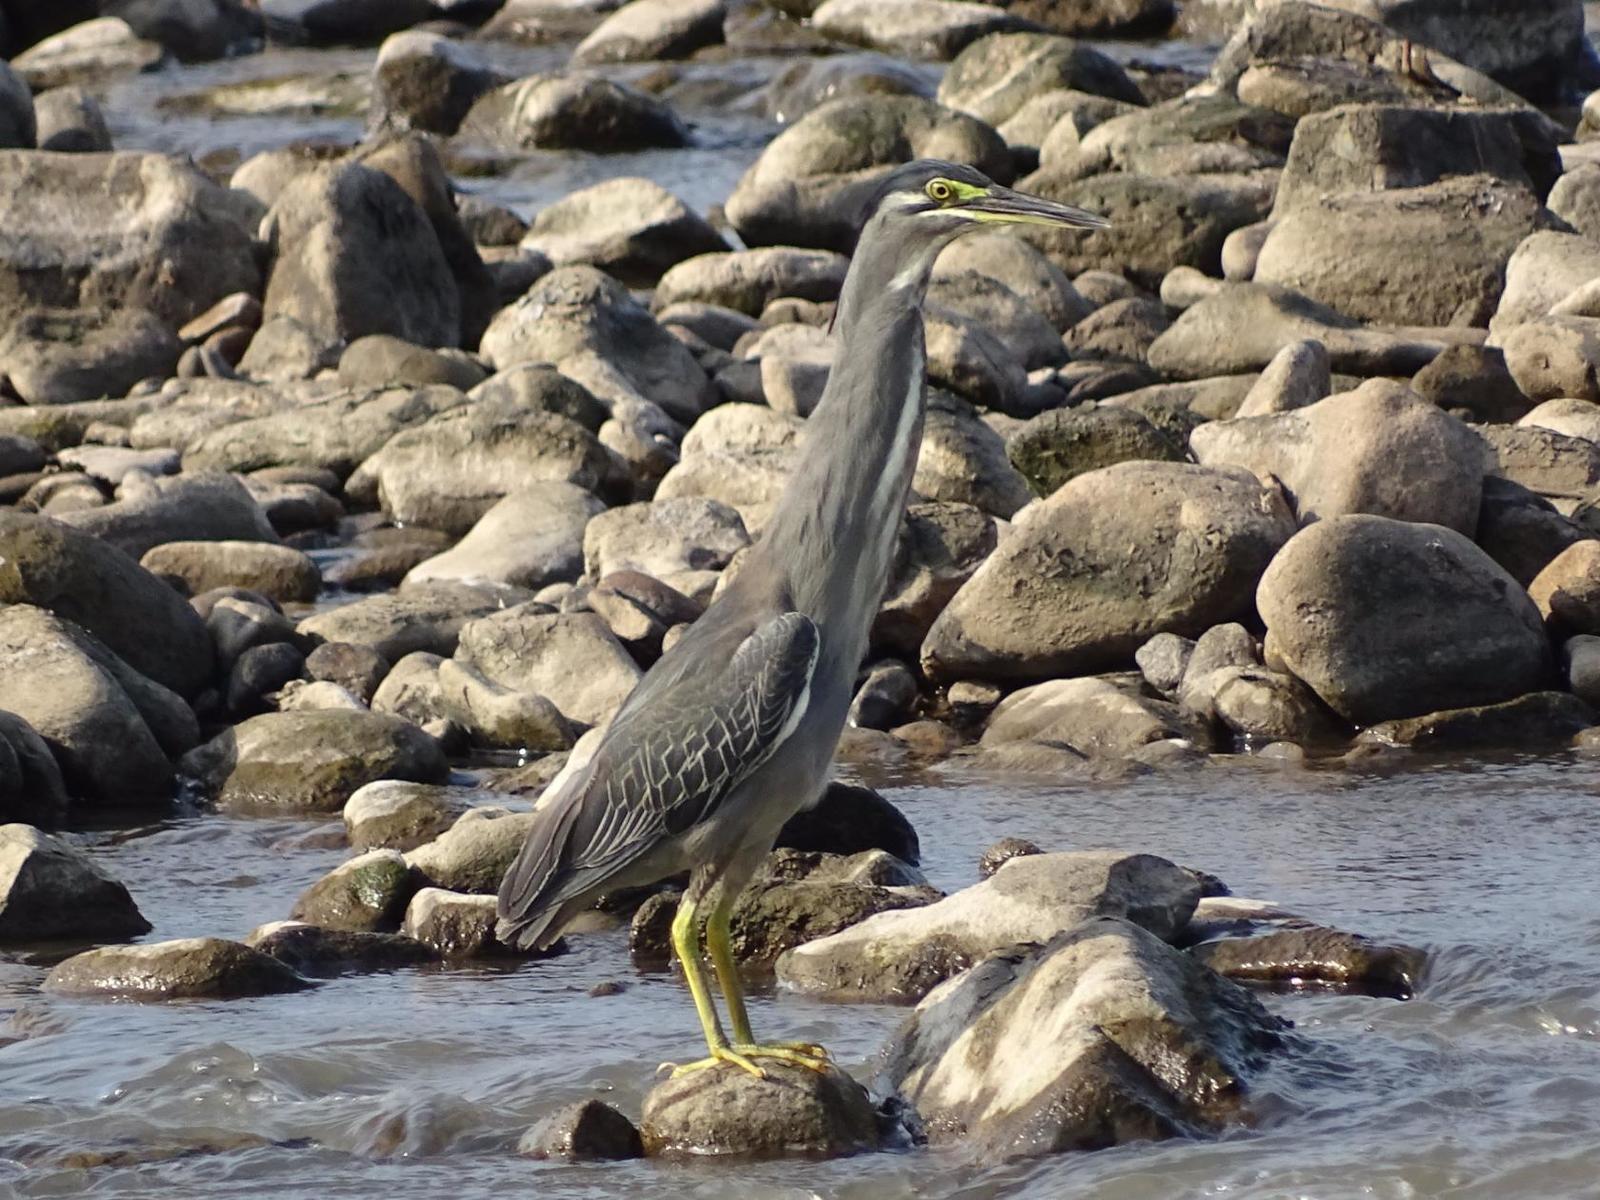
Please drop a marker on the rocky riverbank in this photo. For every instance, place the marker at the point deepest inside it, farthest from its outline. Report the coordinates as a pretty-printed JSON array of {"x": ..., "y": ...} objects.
[{"x": 328, "y": 488}]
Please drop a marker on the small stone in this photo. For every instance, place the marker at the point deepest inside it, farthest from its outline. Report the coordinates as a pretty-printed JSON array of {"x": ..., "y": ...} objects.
[
  {"x": 728, "y": 1111},
  {"x": 356, "y": 668},
  {"x": 589, "y": 1131},
  {"x": 453, "y": 924}
]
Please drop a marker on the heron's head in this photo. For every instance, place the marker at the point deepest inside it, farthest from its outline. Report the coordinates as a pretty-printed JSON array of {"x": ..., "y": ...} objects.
[{"x": 940, "y": 200}]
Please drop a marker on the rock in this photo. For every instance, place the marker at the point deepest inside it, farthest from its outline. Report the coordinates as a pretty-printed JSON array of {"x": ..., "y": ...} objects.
[
  {"x": 201, "y": 968},
  {"x": 120, "y": 232},
  {"x": 556, "y": 112},
  {"x": 588, "y": 1131},
  {"x": 1546, "y": 267},
  {"x": 1537, "y": 719},
  {"x": 1164, "y": 660},
  {"x": 193, "y": 30},
  {"x": 1521, "y": 530},
  {"x": 313, "y": 950},
  {"x": 633, "y": 229},
  {"x": 427, "y": 82},
  {"x": 885, "y": 697},
  {"x": 790, "y": 1111},
  {"x": 1181, "y": 219},
  {"x": 972, "y": 362},
  {"x": 426, "y": 618},
  {"x": 539, "y": 386},
  {"x": 84, "y": 581},
  {"x": 474, "y": 854},
  {"x": 18, "y": 122},
  {"x": 260, "y": 672},
  {"x": 1263, "y": 707},
  {"x": 1124, "y": 1008},
  {"x": 337, "y": 269},
  {"x": 901, "y": 956},
  {"x": 1474, "y": 380},
  {"x": 532, "y": 537},
  {"x": 1581, "y": 667},
  {"x": 1380, "y": 449},
  {"x": 992, "y": 78},
  {"x": 277, "y": 572},
  {"x": 748, "y": 281},
  {"x": 1090, "y": 715},
  {"x": 500, "y": 717},
  {"x": 851, "y": 820},
  {"x": 70, "y": 121},
  {"x": 1567, "y": 590},
  {"x": 1019, "y": 267},
  {"x": 357, "y": 669},
  {"x": 641, "y": 611},
  {"x": 1054, "y": 598},
  {"x": 1344, "y": 603},
  {"x": 30, "y": 780},
  {"x": 578, "y": 312},
  {"x": 199, "y": 507},
  {"x": 1575, "y": 198},
  {"x": 1574, "y": 418},
  {"x": 110, "y": 465},
  {"x": 1120, "y": 332},
  {"x": 650, "y": 30},
  {"x": 52, "y": 891},
  {"x": 1554, "y": 357},
  {"x": 1058, "y": 446},
  {"x": 807, "y": 187},
  {"x": 359, "y": 22},
  {"x": 286, "y": 349},
  {"x": 936, "y": 29},
  {"x": 1298, "y": 956},
  {"x": 453, "y": 925},
  {"x": 941, "y": 547},
  {"x": 378, "y": 361},
  {"x": 1244, "y": 325},
  {"x": 366, "y": 893},
  {"x": 963, "y": 461},
  {"x": 810, "y": 82},
  {"x": 1191, "y": 133},
  {"x": 411, "y": 689},
  {"x": 1297, "y": 377},
  {"x": 1550, "y": 463},
  {"x": 110, "y": 729},
  {"x": 675, "y": 541},
  {"x": 310, "y": 762},
  {"x": 448, "y": 473},
  {"x": 87, "y": 53},
  {"x": 56, "y": 356},
  {"x": 572, "y": 659},
  {"x": 394, "y": 815}
]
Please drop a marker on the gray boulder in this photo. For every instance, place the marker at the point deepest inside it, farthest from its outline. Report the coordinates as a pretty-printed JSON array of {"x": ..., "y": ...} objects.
[
  {"x": 87, "y": 52},
  {"x": 572, "y": 659},
  {"x": 428, "y": 82},
  {"x": 454, "y": 925},
  {"x": 424, "y": 618},
  {"x": 993, "y": 78},
  {"x": 680, "y": 542},
  {"x": 633, "y": 229},
  {"x": 30, "y": 779},
  {"x": 791, "y": 1110},
  {"x": 1554, "y": 357},
  {"x": 18, "y": 123},
  {"x": 963, "y": 461},
  {"x": 56, "y": 356},
  {"x": 52, "y": 891},
  {"x": 749, "y": 280},
  {"x": 391, "y": 814},
  {"x": 1096, "y": 717},
  {"x": 648, "y": 30},
  {"x": 1020, "y": 267},
  {"x": 1107, "y": 561},
  {"x": 278, "y": 572},
  {"x": 573, "y": 112},
  {"x": 1062, "y": 444},
  {"x": 205, "y": 507},
  {"x": 364, "y": 894},
  {"x": 474, "y": 854},
  {"x": 1387, "y": 619},
  {"x": 942, "y": 545},
  {"x": 936, "y": 29}
]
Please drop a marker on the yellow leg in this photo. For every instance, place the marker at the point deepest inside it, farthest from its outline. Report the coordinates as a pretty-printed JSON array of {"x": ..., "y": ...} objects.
[{"x": 720, "y": 940}]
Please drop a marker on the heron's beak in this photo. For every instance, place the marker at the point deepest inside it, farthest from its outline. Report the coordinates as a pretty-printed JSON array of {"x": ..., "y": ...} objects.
[{"x": 1002, "y": 206}]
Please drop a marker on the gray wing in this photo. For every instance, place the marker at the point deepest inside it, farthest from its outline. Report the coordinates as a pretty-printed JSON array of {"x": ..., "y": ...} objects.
[{"x": 698, "y": 724}]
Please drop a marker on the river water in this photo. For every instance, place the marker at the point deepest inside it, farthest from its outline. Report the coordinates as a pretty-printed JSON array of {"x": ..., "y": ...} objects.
[{"x": 419, "y": 1082}]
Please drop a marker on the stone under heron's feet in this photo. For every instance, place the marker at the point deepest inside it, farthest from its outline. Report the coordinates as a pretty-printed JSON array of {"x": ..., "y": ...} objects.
[{"x": 744, "y": 1055}]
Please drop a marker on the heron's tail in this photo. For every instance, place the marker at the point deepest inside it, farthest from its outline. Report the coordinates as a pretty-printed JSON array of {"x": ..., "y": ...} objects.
[{"x": 529, "y": 907}]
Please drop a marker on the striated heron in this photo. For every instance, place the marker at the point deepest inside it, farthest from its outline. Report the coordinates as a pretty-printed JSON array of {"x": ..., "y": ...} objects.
[{"x": 733, "y": 731}]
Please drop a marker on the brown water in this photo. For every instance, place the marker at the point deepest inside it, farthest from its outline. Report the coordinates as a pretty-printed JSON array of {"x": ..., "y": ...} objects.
[{"x": 418, "y": 1083}]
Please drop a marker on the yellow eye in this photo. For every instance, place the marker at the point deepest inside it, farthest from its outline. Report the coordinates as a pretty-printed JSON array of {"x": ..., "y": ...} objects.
[{"x": 941, "y": 191}]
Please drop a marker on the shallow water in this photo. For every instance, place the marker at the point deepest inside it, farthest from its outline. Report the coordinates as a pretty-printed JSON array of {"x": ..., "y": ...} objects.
[{"x": 407, "y": 1084}]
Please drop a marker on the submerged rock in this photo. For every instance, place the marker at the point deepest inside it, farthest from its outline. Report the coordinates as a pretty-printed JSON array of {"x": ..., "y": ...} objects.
[
  {"x": 200, "y": 968},
  {"x": 50, "y": 890},
  {"x": 1537, "y": 719},
  {"x": 313, "y": 950},
  {"x": 589, "y": 1131},
  {"x": 1309, "y": 955}
]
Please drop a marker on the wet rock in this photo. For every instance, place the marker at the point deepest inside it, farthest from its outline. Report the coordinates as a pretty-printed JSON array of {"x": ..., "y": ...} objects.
[
  {"x": 427, "y": 82},
  {"x": 1380, "y": 449},
  {"x": 1058, "y": 446},
  {"x": 1298, "y": 957},
  {"x": 1262, "y": 706},
  {"x": 1200, "y": 540},
  {"x": 313, "y": 950},
  {"x": 589, "y": 1131},
  {"x": 281, "y": 573},
  {"x": 571, "y": 659},
  {"x": 87, "y": 53},
  {"x": 474, "y": 854},
  {"x": 310, "y": 762},
  {"x": 1242, "y": 326},
  {"x": 1093, "y": 716},
  {"x": 1002, "y": 852},
  {"x": 201, "y": 968},
  {"x": 578, "y": 312},
  {"x": 808, "y": 184},
  {"x": 82, "y": 580},
  {"x": 366, "y": 893},
  {"x": 453, "y": 925},
  {"x": 851, "y": 820},
  {"x": 556, "y": 112},
  {"x": 50, "y": 891},
  {"x": 728, "y": 1111},
  {"x": 941, "y": 547},
  {"x": 425, "y": 618},
  {"x": 70, "y": 121},
  {"x": 394, "y": 815},
  {"x": 633, "y": 229},
  {"x": 1125, "y": 1010},
  {"x": 936, "y": 29},
  {"x": 901, "y": 956},
  {"x": 1539, "y": 718},
  {"x": 651, "y": 30},
  {"x": 992, "y": 78},
  {"x": 1385, "y": 619},
  {"x": 1473, "y": 379}
]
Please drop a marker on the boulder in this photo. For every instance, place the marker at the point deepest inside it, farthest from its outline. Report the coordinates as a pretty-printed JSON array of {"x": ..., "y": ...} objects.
[
  {"x": 1545, "y": 269},
  {"x": 84, "y": 581},
  {"x": 427, "y": 82},
  {"x": 1580, "y": 667},
  {"x": 378, "y": 361},
  {"x": 1552, "y": 464},
  {"x": 901, "y": 956},
  {"x": 789, "y": 1110},
  {"x": 30, "y": 780},
  {"x": 1521, "y": 530},
  {"x": 532, "y": 537},
  {"x": 1303, "y": 954},
  {"x": 1575, "y": 198},
  {"x": 453, "y": 925},
  {"x": 310, "y": 762},
  {"x": 1387, "y": 619},
  {"x": 963, "y": 461},
  {"x": 359, "y": 22},
  {"x": 1110, "y": 559},
  {"x": 500, "y": 717},
  {"x": 1537, "y": 719},
  {"x": 367, "y": 893},
  {"x": 578, "y": 312},
  {"x": 572, "y": 112},
  {"x": 424, "y": 618},
  {"x": 539, "y": 386},
  {"x": 941, "y": 546},
  {"x": 588, "y": 1131},
  {"x": 1297, "y": 376},
  {"x": 968, "y": 360},
  {"x": 391, "y": 814},
  {"x": 193, "y": 30},
  {"x": 355, "y": 255},
  {"x": 474, "y": 854},
  {"x": 1380, "y": 449},
  {"x": 87, "y": 53},
  {"x": 807, "y": 187},
  {"x": 1024, "y": 270},
  {"x": 850, "y": 820},
  {"x": 749, "y": 280},
  {"x": 633, "y": 229},
  {"x": 1091, "y": 715},
  {"x": 313, "y": 950},
  {"x": 200, "y": 968},
  {"x": 571, "y": 659},
  {"x": 992, "y": 78},
  {"x": 1062, "y": 444},
  {"x": 50, "y": 890},
  {"x": 120, "y": 231},
  {"x": 1554, "y": 357},
  {"x": 1567, "y": 590},
  {"x": 278, "y": 572},
  {"x": 56, "y": 356},
  {"x": 648, "y": 30},
  {"x": 18, "y": 121},
  {"x": 676, "y": 541},
  {"x": 1105, "y": 1035},
  {"x": 1121, "y": 331},
  {"x": 202, "y": 507},
  {"x": 1196, "y": 132}
]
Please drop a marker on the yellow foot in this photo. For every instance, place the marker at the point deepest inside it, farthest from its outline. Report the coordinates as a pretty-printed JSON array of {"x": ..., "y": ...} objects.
[{"x": 743, "y": 1056}]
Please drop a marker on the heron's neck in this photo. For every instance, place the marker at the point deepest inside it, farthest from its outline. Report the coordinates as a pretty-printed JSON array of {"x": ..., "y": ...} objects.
[{"x": 834, "y": 531}]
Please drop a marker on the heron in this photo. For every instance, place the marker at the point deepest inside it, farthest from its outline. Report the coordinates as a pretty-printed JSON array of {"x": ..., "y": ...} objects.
[{"x": 733, "y": 730}]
